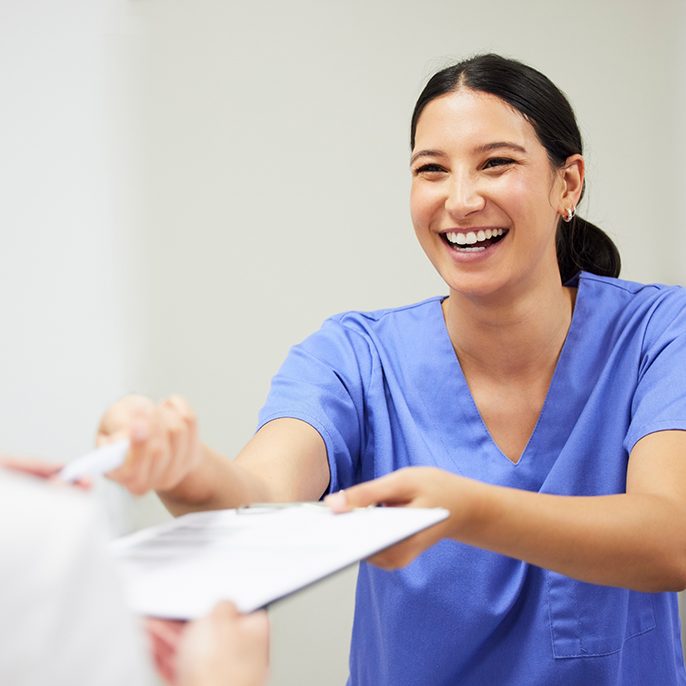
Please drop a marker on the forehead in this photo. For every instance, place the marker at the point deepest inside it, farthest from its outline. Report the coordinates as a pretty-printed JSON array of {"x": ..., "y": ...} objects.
[{"x": 474, "y": 119}]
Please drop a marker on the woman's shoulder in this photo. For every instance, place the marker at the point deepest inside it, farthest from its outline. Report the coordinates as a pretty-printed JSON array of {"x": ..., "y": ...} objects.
[
  {"x": 655, "y": 309},
  {"x": 364, "y": 333},
  {"x": 413, "y": 313},
  {"x": 628, "y": 291}
]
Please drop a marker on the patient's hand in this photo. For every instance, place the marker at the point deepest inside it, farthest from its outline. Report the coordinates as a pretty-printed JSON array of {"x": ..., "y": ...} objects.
[
  {"x": 30, "y": 465},
  {"x": 165, "y": 637},
  {"x": 225, "y": 648},
  {"x": 38, "y": 468}
]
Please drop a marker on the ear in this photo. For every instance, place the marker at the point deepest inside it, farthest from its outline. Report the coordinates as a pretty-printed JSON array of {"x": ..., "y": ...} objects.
[{"x": 572, "y": 184}]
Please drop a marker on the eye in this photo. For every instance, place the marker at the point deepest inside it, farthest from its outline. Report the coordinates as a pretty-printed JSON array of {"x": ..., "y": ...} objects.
[
  {"x": 498, "y": 162},
  {"x": 428, "y": 168}
]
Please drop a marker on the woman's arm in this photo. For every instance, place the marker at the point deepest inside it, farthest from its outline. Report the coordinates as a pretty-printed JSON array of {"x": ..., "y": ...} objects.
[
  {"x": 284, "y": 461},
  {"x": 635, "y": 540}
]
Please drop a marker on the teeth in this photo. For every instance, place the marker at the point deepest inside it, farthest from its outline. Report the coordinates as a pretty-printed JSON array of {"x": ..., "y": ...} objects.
[
  {"x": 455, "y": 237},
  {"x": 477, "y": 249},
  {"x": 472, "y": 237}
]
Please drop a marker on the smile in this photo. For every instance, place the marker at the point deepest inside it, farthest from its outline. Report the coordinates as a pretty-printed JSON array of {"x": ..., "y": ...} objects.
[{"x": 473, "y": 241}]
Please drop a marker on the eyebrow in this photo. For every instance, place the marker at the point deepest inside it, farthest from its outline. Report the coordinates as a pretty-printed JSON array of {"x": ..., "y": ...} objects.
[
  {"x": 426, "y": 153},
  {"x": 499, "y": 145},
  {"x": 488, "y": 147}
]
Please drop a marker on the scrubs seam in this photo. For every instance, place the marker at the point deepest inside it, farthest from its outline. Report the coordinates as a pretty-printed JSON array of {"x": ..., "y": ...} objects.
[
  {"x": 375, "y": 362},
  {"x": 438, "y": 432},
  {"x": 378, "y": 315}
]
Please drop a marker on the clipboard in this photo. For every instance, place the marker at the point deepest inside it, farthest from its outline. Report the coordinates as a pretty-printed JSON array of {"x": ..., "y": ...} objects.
[{"x": 252, "y": 557}]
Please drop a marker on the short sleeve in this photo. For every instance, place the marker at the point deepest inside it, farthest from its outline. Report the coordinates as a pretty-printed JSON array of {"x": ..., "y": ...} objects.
[
  {"x": 322, "y": 382},
  {"x": 659, "y": 402}
]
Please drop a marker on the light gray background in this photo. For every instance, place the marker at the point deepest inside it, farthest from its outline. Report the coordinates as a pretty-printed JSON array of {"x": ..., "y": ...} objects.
[{"x": 187, "y": 188}]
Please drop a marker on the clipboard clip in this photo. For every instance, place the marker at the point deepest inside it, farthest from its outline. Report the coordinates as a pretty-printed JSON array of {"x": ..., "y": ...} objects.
[{"x": 262, "y": 508}]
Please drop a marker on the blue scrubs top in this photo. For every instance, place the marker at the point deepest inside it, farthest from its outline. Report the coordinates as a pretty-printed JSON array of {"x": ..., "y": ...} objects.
[{"x": 385, "y": 391}]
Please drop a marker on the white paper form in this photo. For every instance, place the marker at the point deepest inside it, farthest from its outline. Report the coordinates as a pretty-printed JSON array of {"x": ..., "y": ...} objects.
[{"x": 253, "y": 557}]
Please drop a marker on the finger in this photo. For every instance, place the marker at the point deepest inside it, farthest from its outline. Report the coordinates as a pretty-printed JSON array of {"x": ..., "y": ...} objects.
[
  {"x": 85, "y": 483},
  {"x": 165, "y": 637},
  {"x": 156, "y": 453},
  {"x": 32, "y": 466},
  {"x": 183, "y": 408},
  {"x": 115, "y": 423},
  {"x": 225, "y": 609},
  {"x": 145, "y": 445},
  {"x": 167, "y": 630},
  {"x": 255, "y": 630},
  {"x": 338, "y": 502},
  {"x": 179, "y": 424},
  {"x": 256, "y": 624},
  {"x": 188, "y": 454},
  {"x": 164, "y": 659},
  {"x": 393, "y": 489},
  {"x": 167, "y": 448}
]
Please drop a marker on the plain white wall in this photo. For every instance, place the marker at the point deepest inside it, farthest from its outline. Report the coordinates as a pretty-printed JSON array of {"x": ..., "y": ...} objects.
[{"x": 65, "y": 346}]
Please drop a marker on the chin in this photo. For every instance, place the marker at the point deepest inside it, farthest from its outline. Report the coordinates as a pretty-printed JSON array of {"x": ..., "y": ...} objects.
[{"x": 476, "y": 287}]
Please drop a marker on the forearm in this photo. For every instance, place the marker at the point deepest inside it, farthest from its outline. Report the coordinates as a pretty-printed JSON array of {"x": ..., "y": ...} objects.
[
  {"x": 217, "y": 483},
  {"x": 632, "y": 540},
  {"x": 284, "y": 461}
]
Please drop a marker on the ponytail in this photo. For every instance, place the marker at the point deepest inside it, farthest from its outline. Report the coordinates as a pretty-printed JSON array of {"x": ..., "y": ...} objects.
[{"x": 583, "y": 246}]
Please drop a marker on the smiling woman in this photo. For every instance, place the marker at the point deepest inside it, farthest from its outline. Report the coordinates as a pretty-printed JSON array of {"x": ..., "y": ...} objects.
[
  {"x": 581, "y": 245},
  {"x": 480, "y": 167},
  {"x": 542, "y": 402}
]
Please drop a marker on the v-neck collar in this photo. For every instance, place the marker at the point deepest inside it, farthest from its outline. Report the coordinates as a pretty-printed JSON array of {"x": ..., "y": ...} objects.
[{"x": 475, "y": 454}]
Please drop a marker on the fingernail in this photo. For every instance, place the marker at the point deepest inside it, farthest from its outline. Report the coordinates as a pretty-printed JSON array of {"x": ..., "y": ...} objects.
[{"x": 337, "y": 501}]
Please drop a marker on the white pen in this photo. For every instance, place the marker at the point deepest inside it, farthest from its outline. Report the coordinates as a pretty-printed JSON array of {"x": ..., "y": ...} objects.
[{"x": 96, "y": 462}]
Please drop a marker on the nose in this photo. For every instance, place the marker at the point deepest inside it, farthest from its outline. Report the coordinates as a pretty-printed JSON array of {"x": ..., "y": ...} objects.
[{"x": 464, "y": 196}]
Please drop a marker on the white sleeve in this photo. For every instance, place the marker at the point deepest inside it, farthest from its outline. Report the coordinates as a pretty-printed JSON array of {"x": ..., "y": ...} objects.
[{"x": 63, "y": 618}]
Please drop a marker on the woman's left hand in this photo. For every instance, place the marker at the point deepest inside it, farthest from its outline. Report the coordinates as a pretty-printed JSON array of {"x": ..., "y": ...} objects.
[{"x": 410, "y": 487}]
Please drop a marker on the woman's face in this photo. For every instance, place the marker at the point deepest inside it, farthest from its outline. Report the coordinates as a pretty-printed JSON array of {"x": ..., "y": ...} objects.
[{"x": 485, "y": 199}]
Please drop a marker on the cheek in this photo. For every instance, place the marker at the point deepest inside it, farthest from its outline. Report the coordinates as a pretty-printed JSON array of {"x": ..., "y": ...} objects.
[
  {"x": 416, "y": 210},
  {"x": 423, "y": 206},
  {"x": 513, "y": 192},
  {"x": 528, "y": 199}
]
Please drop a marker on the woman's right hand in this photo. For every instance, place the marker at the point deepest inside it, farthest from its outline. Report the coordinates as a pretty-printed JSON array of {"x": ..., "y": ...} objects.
[{"x": 165, "y": 446}]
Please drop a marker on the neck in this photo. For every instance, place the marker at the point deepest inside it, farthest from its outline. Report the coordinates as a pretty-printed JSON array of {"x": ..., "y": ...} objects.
[{"x": 511, "y": 335}]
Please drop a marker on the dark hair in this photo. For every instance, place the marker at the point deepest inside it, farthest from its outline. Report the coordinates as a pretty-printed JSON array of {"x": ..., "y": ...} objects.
[{"x": 580, "y": 244}]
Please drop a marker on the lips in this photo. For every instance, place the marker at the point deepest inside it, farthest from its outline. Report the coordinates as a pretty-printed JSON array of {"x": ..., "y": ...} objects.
[{"x": 473, "y": 241}]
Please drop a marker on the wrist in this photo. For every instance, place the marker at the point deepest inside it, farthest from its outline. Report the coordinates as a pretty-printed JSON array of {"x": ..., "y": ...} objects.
[{"x": 195, "y": 488}]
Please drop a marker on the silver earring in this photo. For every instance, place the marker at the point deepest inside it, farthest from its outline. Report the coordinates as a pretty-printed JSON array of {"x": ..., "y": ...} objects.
[{"x": 571, "y": 212}]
